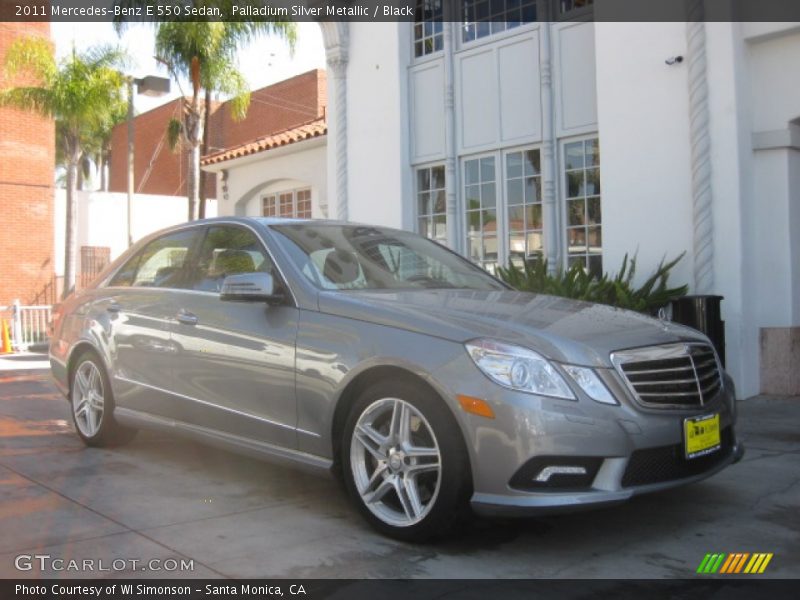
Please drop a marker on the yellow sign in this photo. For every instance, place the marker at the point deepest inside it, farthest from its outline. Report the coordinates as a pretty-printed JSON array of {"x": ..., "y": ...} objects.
[{"x": 702, "y": 435}]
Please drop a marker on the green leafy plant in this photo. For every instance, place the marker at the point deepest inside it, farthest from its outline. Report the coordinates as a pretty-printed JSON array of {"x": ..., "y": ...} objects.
[{"x": 617, "y": 290}]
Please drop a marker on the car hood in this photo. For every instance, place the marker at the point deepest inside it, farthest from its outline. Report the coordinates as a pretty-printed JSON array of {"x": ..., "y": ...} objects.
[{"x": 562, "y": 329}]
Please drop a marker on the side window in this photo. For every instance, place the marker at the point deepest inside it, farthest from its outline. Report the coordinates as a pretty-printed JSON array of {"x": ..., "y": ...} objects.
[
  {"x": 124, "y": 277},
  {"x": 226, "y": 250},
  {"x": 161, "y": 262}
]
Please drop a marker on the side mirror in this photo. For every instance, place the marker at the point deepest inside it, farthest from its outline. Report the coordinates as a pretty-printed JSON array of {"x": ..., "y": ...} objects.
[{"x": 250, "y": 287}]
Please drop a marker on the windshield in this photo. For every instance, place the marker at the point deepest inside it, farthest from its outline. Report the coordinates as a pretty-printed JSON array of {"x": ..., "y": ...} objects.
[{"x": 352, "y": 257}]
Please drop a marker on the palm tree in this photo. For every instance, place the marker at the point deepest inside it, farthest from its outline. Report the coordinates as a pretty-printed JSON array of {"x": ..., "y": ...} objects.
[
  {"x": 96, "y": 147},
  {"x": 204, "y": 53},
  {"x": 78, "y": 92},
  {"x": 98, "y": 150}
]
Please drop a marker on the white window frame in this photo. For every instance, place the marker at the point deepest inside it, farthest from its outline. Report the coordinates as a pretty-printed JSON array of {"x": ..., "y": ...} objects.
[
  {"x": 501, "y": 190},
  {"x": 440, "y": 34},
  {"x": 493, "y": 35},
  {"x": 417, "y": 215},
  {"x": 506, "y": 225},
  {"x": 276, "y": 195},
  {"x": 499, "y": 194},
  {"x": 563, "y": 200},
  {"x": 582, "y": 13}
]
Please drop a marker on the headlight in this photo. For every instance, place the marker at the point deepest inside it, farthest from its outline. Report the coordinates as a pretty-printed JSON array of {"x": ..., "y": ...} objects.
[
  {"x": 590, "y": 383},
  {"x": 518, "y": 368}
]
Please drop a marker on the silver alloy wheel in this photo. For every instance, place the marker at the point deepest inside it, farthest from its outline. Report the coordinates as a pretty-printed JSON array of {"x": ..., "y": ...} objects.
[
  {"x": 395, "y": 461},
  {"x": 88, "y": 398}
]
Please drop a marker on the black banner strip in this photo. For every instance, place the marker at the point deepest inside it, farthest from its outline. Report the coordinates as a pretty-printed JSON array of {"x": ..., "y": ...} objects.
[
  {"x": 729, "y": 588},
  {"x": 397, "y": 10}
]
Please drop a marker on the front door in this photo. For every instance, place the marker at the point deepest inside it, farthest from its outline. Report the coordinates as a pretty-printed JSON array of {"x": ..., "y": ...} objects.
[{"x": 235, "y": 366}]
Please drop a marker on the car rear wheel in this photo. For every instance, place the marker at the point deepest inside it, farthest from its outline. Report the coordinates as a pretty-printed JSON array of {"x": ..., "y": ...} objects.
[
  {"x": 93, "y": 404},
  {"x": 404, "y": 461}
]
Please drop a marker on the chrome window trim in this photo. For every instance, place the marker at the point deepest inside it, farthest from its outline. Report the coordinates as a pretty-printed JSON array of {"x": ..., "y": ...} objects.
[
  {"x": 212, "y": 223},
  {"x": 665, "y": 351}
]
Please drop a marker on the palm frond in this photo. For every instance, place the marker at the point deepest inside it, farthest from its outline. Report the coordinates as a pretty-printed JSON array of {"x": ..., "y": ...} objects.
[
  {"x": 174, "y": 132},
  {"x": 31, "y": 56},
  {"x": 35, "y": 99}
]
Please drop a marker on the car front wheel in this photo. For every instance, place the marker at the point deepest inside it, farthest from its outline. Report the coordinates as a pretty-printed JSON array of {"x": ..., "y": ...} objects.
[{"x": 404, "y": 461}]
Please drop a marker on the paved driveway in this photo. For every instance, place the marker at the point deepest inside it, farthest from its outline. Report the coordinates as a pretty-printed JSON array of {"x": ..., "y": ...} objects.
[{"x": 164, "y": 498}]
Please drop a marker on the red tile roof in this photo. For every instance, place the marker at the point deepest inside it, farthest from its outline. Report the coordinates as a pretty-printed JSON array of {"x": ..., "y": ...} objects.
[{"x": 306, "y": 131}]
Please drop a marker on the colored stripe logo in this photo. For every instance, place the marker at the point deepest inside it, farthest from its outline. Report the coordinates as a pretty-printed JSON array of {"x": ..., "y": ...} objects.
[{"x": 737, "y": 562}]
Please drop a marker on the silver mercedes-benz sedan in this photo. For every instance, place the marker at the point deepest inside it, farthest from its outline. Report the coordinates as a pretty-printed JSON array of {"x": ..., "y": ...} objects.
[{"x": 427, "y": 385}]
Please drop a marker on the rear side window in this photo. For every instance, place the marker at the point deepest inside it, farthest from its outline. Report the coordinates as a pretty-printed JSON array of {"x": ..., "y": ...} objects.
[
  {"x": 226, "y": 250},
  {"x": 159, "y": 264}
]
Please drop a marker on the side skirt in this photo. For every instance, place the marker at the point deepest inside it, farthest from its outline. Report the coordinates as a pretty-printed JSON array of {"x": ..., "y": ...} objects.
[{"x": 226, "y": 441}]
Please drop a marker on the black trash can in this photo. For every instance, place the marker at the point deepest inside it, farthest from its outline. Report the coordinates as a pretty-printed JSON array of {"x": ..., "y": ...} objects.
[{"x": 702, "y": 312}]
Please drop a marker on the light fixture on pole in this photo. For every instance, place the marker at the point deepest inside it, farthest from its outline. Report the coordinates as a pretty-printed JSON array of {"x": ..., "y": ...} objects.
[{"x": 148, "y": 86}]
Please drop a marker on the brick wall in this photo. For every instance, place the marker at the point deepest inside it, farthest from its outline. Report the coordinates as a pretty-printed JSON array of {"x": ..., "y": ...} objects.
[
  {"x": 157, "y": 169},
  {"x": 276, "y": 107},
  {"x": 27, "y": 158}
]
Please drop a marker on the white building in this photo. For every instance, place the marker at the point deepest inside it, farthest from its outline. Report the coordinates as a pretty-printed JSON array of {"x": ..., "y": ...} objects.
[
  {"x": 584, "y": 141},
  {"x": 283, "y": 174}
]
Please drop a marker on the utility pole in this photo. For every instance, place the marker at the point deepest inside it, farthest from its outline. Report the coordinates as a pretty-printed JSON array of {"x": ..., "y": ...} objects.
[{"x": 149, "y": 86}]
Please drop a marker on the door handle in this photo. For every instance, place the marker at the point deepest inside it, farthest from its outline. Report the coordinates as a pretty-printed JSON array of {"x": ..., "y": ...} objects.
[
  {"x": 186, "y": 317},
  {"x": 114, "y": 307}
]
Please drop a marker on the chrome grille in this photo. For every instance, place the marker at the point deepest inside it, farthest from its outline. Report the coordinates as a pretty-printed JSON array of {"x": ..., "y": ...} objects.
[{"x": 672, "y": 375}]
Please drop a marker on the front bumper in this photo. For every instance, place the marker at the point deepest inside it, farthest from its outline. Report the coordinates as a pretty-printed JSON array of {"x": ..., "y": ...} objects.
[
  {"x": 632, "y": 449},
  {"x": 537, "y": 503}
]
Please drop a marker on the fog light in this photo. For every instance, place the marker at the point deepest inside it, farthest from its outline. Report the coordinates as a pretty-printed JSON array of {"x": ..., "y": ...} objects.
[
  {"x": 556, "y": 473},
  {"x": 546, "y": 473}
]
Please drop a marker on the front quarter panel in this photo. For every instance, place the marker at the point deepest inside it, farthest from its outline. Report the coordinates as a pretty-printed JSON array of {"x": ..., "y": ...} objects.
[{"x": 333, "y": 351}]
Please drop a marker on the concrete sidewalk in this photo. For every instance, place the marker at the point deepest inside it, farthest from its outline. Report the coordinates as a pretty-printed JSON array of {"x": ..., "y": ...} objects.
[{"x": 24, "y": 361}]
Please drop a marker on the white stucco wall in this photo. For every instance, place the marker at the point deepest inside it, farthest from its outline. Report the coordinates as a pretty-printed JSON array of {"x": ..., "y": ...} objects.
[
  {"x": 102, "y": 219},
  {"x": 774, "y": 199},
  {"x": 379, "y": 176},
  {"x": 303, "y": 164},
  {"x": 644, "y": 141},
  {"x": 643, "y": 113}
]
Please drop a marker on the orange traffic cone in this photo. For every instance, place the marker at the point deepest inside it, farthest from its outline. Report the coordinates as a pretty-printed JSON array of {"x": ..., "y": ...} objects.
[{"x": 6, "y": 346}]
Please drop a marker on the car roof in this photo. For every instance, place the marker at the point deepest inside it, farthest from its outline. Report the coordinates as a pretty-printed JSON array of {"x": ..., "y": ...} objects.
[{"x": 272, "y": 221}]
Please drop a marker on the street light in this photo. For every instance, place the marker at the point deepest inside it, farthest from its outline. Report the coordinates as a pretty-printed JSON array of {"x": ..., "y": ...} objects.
[{"x": 149, "y": 86}]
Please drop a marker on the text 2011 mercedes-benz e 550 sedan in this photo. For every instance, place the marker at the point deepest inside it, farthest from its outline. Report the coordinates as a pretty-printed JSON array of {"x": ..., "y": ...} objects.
[{"x": 430, "y": 386}]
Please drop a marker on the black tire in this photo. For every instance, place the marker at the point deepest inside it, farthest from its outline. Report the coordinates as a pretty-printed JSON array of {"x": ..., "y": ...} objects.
[
  {"x": 448, "y": 504},
  {"x": 103, "y": 431}
]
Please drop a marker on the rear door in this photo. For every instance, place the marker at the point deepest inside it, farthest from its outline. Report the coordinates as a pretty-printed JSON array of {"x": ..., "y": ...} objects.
[
  {"x": 235, "y": 367},
  {"x": 140, "y": 305}
]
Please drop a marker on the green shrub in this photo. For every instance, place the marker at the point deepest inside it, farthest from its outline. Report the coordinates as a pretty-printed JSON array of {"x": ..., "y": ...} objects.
[{"x": 577, "y": 283}]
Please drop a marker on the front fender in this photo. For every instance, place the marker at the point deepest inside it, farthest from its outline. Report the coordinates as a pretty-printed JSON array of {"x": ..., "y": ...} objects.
[{"x": 333, "y": 352}]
